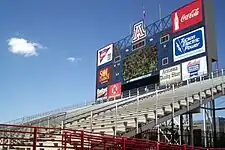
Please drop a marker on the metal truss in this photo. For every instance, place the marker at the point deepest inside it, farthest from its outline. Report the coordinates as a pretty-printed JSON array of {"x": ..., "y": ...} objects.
[{"x": 151, "y": 30}]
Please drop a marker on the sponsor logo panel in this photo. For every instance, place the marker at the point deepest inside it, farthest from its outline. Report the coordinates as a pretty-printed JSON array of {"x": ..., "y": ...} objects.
[
  {"x": 139, "y": 32},
  {"x": 105, "y": 75},
  {"x": 170, "y": 75},
  {"x": 187, "y": 16},
  {"x": 102, "y": 94},
  {"x": 194, "y": 68},
  {"x": 114, "y": 90},
  {"x": 189, "y": 44},
  {"x": 105, "y": 55}
]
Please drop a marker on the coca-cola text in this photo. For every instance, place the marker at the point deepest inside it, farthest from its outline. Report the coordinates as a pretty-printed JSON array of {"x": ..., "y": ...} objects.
[{"x": 192, "y": 14}]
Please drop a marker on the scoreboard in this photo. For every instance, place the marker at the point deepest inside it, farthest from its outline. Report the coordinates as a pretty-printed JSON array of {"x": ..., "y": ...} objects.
[{"x": 157, "y": 54}]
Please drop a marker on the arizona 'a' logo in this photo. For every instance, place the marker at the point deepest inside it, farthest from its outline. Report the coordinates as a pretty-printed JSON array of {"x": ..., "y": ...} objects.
[{"x": 138, "y": 32}]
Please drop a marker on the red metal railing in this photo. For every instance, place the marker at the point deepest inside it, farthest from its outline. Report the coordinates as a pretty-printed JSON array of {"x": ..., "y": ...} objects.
[{"x": 29, "y": 137}]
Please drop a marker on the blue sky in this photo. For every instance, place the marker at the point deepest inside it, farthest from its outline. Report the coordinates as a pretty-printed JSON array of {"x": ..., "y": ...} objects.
[{"x": 53, "y": 31}]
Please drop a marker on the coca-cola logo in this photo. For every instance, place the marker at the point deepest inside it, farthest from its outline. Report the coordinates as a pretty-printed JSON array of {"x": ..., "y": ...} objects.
[{"x": 192, "y": 14}]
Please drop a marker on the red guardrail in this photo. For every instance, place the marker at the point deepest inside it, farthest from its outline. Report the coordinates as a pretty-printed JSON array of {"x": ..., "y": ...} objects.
[{"x": 30, "y": 137}]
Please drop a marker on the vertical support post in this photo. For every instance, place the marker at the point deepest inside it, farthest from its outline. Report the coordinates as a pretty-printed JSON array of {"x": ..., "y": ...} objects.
[
  {"x": 35, "y": 138},
  {"x": 137, "y": 112},
  {"x": 222, "y": 81},
  {"x": 64, "y": 138},
  {"x": 204, "y": 125},
  {"x": 48, "y": 122},
  {"x": 104, "y": 145},
  {"x": 123, "y": 143},
  {"x": 200, "y": 93},
  {"x": 185, "y": 147},
  {"x": 181, "y": 130},
  {"x": 172, "y": 131},
  {"x": 91, "y": 122},
  {"x": 173, "y": 114},
  {"x": 213, "y": 113},
  {"x": 62, "y": 127},
  {"x": 156, "y": 112},
  {"x": 115, "y": 121},
  {"x": 129, "y": 93},
  {"x": 157, "y": 146},
  {"x": 82, "y": 140},
  {"x": 214, "y": 124},
  {"x": 187, "y": 95},
  {"x": 188, "y": 108},
  {"x": 191, "y": 129}
]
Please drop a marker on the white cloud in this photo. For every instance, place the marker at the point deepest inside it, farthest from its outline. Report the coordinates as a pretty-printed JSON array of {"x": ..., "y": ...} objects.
[
  {"x": 23, "y": 47},
  {"x": 73, "y": 59}
]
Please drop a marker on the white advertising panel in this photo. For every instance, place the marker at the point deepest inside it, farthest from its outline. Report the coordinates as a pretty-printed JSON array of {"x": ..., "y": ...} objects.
[
  {"x": 102, "y": 94},
  {"x": 189, "y": 44},
  {"x": 194, "y": 68},
  {"x": 170, "y": 75},
  {"x": 105, "y": 55}
]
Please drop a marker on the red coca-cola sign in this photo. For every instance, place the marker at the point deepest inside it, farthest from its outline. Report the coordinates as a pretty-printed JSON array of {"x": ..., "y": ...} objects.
[{"x": 187, "y": 16}]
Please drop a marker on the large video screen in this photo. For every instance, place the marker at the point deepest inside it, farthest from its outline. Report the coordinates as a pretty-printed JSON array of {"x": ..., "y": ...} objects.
[{"x": 140, "y": 64}]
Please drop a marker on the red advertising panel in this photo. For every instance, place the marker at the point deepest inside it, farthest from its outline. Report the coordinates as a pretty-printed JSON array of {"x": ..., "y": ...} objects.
[
  {"x": 114, "y": 90},
  {"x": 187, "y": 16},
  {"x": 105, "y": 75}
]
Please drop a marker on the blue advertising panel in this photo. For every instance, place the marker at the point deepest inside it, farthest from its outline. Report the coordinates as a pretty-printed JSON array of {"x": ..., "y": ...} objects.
[{"x": 189, "y": 44}]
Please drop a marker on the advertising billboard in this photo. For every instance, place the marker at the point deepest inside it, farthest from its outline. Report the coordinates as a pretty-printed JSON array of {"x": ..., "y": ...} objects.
[
  {"x": 194, "y": 68},
  {"x": 105, "y": 75},
  {"x": 139, "y": 64},
  {"x": 187, "y": 16},
  {"x": 170, "y": 75},
  {"x": 139, "y": 32},
  {"x": 114, "y": 90},
  {"x": 105, "y": 55},
  {"x": 102, "y": 94},
  {"x": 189, "y": 44}
]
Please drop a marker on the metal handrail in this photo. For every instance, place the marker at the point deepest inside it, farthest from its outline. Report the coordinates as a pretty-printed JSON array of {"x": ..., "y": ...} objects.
[{"x": 144, "y": 90}]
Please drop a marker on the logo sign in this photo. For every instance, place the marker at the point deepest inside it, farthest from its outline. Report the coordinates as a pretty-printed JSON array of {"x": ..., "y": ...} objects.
[
  {"x": 102, "y": 93},
  {"x": 105, "y": 55},
  {"x": 139, "y": 32},
  {"x": 105, "y": 75},
  {"x": 114, "y": 90},
  {"x": 170, "y": 75},
  {"x": 194, "y": 68},
  {"x": 187, "y": 16},
  {"x": 189, "y": 44}
]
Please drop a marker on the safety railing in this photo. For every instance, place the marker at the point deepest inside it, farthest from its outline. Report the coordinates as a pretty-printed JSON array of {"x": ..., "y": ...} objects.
[{"x": 34, "y": 138}]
